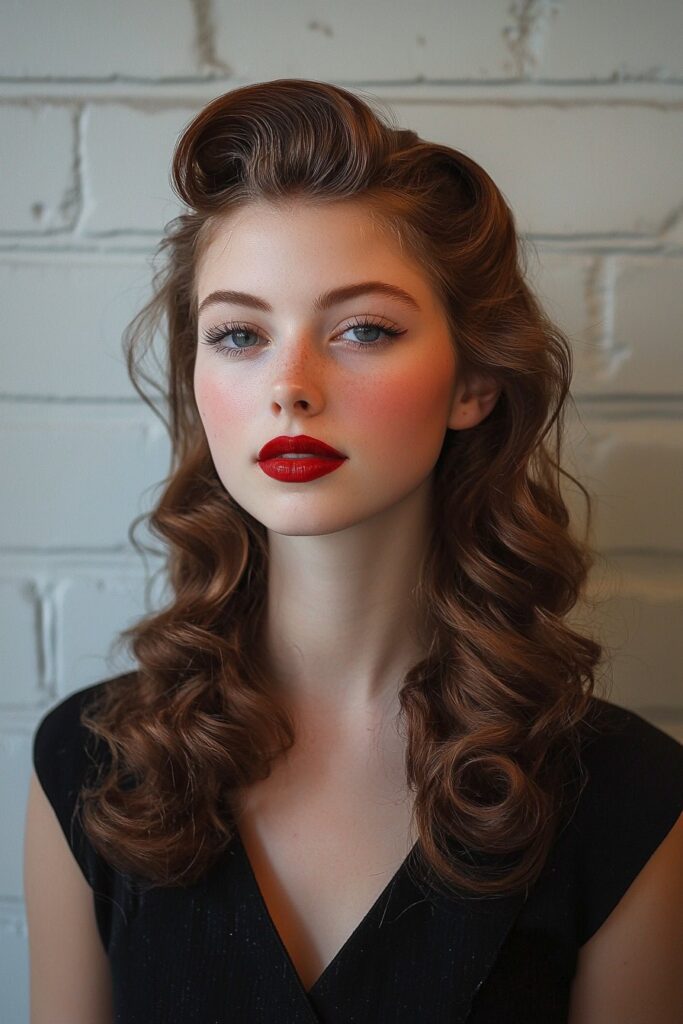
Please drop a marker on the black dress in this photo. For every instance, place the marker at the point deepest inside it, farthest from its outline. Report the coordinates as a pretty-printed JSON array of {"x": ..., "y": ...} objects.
[{"x": 210, "y": 954}]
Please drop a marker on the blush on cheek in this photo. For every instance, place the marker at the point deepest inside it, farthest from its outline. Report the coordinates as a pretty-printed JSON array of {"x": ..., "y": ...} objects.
[
  {"x": 219, "y": 407},
  {"x": 400, "y": 410}
]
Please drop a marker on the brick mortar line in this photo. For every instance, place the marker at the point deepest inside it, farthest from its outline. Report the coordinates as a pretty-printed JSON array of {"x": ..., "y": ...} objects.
[{"x": 168, "y": 93}]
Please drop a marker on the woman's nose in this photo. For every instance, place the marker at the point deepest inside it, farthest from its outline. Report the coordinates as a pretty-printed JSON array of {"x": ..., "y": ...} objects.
[{"x": 295, "y": 394}]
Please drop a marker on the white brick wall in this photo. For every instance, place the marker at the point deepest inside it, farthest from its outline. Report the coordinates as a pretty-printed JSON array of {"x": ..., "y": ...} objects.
[
  {"x": 576, "y": 110},
  {"x": 97, "y": 39},
  {"x": 124, "y": 194},
  {"x": 568, "y": 169},
  {"x": 38, "y": 152},
  {"x": 62, "y": 317}
]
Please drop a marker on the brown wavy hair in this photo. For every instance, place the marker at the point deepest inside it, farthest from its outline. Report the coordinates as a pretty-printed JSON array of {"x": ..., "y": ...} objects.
[{"x": 492, "y": 714}]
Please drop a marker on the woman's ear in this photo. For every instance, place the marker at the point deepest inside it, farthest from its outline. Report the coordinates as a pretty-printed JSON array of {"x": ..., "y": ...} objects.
[{"x": 473, "y": 400}]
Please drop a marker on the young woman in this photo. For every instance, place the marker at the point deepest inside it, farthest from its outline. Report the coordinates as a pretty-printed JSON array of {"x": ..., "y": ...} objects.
[{"x": 360, "y": 772}]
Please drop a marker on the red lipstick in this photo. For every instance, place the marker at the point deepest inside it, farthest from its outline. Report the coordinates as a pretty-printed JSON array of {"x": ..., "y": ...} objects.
[{"x": 278, "y": 458}]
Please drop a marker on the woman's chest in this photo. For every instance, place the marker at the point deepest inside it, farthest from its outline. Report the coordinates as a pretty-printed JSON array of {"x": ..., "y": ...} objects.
[
  {"x": 325, "y": 835},
  {"x": 212, "y": 953}
]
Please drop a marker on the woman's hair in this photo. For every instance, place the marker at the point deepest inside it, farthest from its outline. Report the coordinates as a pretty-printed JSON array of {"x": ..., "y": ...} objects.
[{"x": 492, "y": 715}]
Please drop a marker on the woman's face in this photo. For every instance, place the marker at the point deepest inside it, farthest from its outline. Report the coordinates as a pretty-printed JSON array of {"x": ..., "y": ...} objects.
[{"x": 287, "y": 363}]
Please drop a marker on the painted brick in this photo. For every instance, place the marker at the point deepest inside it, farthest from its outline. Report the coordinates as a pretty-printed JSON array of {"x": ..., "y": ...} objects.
[
  {"x": 14, "y": 968},
  {"x": 646, "y": 667},
  {"x": 630, "y": 462},
  {"x": 638, "y": 615},
  {"x": 97, "y": 39},
  {"x": 610, "y": 40},
  {"x": 37, "y": 173},
  {"x": 555, "y": 164},
  {"x": 73, "y": 347},
  {"x": 127, "y": 159},
  {"x": 435, "y": 40},
  {"x": 19, "y": 640},
  {"x": 91, "y": 609},
  {"x": 563, "y": 282},
  {"x": 622, "y": 313},
  {"x": 672, "y": 236},
  {"x": 648, "y": 313},
  {"x": 74, "y": 476},
  {"x": 15, "y": 765}
]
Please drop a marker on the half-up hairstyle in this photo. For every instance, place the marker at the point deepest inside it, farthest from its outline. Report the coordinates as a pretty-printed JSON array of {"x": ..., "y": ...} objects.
[{"x": 492, "y": 715}]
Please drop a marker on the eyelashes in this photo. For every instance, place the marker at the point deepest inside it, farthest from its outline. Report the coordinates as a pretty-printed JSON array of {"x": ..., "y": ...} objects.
[{"x": 216, "y": 336}]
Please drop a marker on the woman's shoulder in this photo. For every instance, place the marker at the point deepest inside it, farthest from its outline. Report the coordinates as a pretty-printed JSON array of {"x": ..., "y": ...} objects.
[
  {"x": 621, "y": 749},
  {"x": 63, "y": 752},
  {"x": 60, "y": 734},
  {"x": 631, "y": 797}
]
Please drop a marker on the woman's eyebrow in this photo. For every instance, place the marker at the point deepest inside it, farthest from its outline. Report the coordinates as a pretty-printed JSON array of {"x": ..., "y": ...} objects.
[{"x": 323, "y": 301}]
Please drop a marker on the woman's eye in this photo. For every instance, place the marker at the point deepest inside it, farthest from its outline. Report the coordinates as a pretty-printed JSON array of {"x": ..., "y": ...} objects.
[
  {"x": 380, "y": 333},
  {"x": 364, "y": 331},
  {"x": 240, "y": 337},
  {"x": 233, "y": 339},
  {"x": 239, "y": 333}
]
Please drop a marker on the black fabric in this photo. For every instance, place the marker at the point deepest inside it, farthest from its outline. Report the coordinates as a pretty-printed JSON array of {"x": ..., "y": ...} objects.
[{"x": 210, "y": 954}]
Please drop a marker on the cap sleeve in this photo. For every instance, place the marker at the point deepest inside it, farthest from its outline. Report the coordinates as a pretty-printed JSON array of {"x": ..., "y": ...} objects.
[
  {"x": 632, "y": 798},
  {"x": 62, "y": 753}
]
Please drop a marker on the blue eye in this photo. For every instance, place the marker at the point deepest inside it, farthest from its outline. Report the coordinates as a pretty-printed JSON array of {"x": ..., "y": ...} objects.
[
  {"x": 364, "y": 327},
  {"x": 217, "y": 336}
]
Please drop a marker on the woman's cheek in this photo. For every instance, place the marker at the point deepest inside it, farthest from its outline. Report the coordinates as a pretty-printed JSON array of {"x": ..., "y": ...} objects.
[
  {"x": 218, "y": 407},
  {"x": 408, "y": 410}
]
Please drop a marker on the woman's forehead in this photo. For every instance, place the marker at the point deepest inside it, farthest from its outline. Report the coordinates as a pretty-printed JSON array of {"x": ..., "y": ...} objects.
[
  {"x": 345, "y": 236},
  {"x": 281, "y": 214}
]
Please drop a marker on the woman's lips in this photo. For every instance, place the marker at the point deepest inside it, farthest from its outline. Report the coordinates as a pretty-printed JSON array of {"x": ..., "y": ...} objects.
[
  {"x": 302, "y": 444},
  {"x": 300, "y": 470}
]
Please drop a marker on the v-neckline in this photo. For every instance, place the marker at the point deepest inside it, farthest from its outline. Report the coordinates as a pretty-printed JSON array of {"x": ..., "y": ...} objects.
[{"x": 384, "y": 895}]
